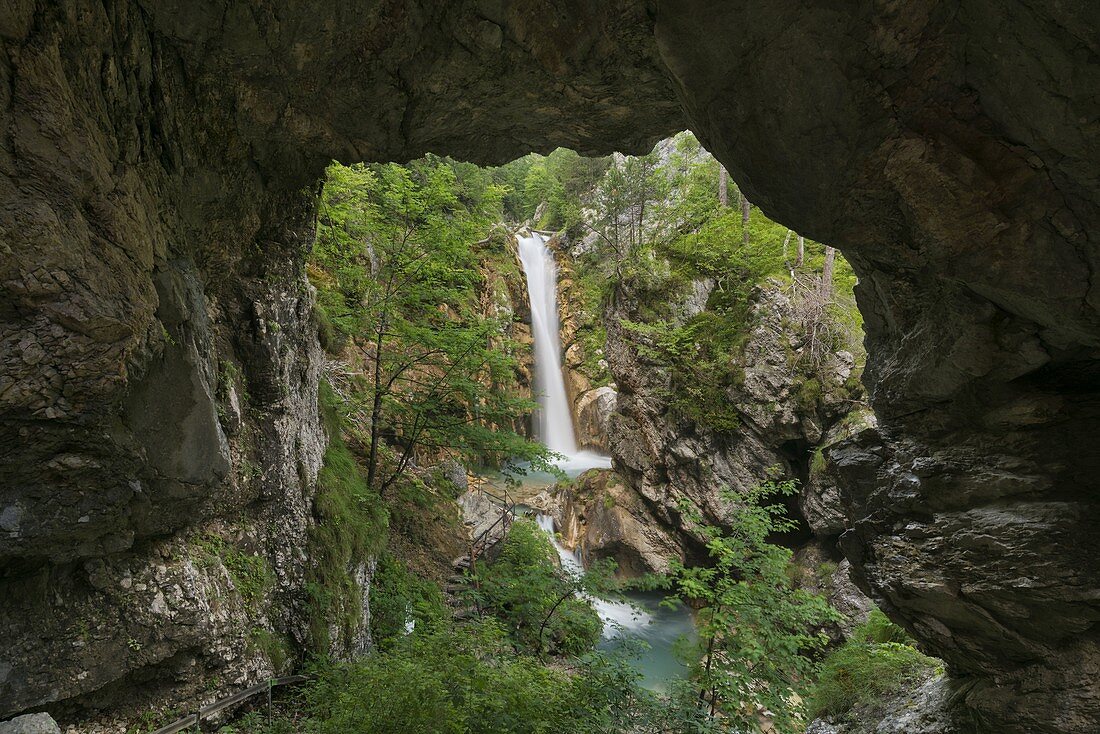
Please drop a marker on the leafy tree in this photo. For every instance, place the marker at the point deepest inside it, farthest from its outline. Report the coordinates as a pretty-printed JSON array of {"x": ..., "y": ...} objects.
[
  {"x": 755, "y": 627},
  {"x": 540, "y": 603},
  {"x": 399, "y": 278}
]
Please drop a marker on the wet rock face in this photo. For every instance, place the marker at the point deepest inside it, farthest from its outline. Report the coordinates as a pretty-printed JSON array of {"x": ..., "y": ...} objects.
[
  {"x": 967, "y": 205},
  {"x": 606, "y": 518},
  {"x": 155, "y": 159}
]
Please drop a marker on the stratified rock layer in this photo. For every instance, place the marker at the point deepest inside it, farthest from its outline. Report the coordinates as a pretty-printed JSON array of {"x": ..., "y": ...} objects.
[{"x": 155, "y": 164}]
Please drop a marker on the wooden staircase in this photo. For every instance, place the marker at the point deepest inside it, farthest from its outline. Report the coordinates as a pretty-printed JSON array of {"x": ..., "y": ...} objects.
[{"x": 457, "y": 591}]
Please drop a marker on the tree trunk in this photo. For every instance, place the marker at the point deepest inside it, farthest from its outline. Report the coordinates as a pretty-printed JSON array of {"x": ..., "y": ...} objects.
[
  {"x": 746, "y": 209},
  {"x": 786, "y": 241},
  {"x": 801, "y": 251},
  {"x": 376, "y": 405},
  {"x": 827, "y": 272},
  {"x": 723, "y": 186}
]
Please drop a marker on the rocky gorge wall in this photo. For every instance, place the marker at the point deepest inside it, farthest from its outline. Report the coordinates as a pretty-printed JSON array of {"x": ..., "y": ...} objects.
[
  {"x": 156, "y": 166},
  {"x": 662, "y": 458},
  {"x": 588, "y": 381}
]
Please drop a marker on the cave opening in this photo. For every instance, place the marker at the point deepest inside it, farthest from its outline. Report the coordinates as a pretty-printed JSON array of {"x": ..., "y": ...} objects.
[{"x": 156, "y": 179}]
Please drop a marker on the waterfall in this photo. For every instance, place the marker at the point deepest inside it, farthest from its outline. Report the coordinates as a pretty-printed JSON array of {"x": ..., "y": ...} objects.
[
  {"x": 555, "y": 425},
  {"x": 555, "y": 417}
]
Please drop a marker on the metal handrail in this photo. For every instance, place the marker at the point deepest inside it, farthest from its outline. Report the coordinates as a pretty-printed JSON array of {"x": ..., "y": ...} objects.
[{"x": 205, "y": 711}]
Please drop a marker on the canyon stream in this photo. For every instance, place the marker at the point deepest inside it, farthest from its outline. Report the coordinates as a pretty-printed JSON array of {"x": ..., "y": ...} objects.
[{"x": 640, "y": 617}]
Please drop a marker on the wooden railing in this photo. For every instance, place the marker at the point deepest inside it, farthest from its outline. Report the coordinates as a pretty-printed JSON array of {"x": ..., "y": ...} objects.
[
  {"x": 192, "y": 720},
  {"x": 495, "y": 532}
]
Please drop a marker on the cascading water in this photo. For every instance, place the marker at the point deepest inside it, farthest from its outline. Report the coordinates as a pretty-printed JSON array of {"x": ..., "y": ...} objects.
[
  {"x": 644, "y": 619},
  {"x": 555, "y": 418},
  {"x": 617, "y": 616}
]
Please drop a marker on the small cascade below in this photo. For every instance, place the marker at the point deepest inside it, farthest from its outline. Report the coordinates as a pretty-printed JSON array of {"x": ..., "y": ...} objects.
[
  {"x": 642, "y": 617},
  {"x": 618, "y": 617},
  {"x": 554, "y": 426}
]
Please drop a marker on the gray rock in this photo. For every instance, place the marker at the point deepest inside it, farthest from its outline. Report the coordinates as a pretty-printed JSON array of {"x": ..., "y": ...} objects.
[
  {"x": 455, "y": 473},
  {"x": 593, "y": 410},
  {"x": 605, "y": 518},
  {"x": 928, "y": 706},
  {"x": 30, "y": 724},
  {"x": 962, "y": 189},
  {"x": 666, "y": 459}
]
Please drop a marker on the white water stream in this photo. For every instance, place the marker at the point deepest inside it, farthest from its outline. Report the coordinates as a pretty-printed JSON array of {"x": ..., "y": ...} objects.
[
  {"x": 617, "y": 617},
  {"x": 555, "y": 418}
]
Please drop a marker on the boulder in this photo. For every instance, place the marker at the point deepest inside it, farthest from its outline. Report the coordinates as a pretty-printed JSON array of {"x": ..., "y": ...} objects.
[
  {"x": 603, "y": 517},
  {"x": 30, "y": 724}
]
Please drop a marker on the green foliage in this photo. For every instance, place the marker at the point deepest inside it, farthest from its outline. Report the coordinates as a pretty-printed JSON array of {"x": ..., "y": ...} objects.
[
  {"x": 817, "y": 463},
  {"x": 351, "y": 528},
  {"x": 878, "y": 661},
  {"x": 256, "y": 722},
  {"x": 536, "y": 600},
  {"x": 458, "y": 681},
  {"x": 701, "y": 358},
  {"x": 398, "y": 275},
  {"x": 755, "y": 625},
  {"x": 398, "y": 596},
  {"x": 272, "y": 645},
  {"x": 251, "y": 574},
  {"x": 559, "y": 180},
  {"x": 471, "y": 681},
  {"x": 808, "y": 394},
  {"x": 878, "y": 629}
]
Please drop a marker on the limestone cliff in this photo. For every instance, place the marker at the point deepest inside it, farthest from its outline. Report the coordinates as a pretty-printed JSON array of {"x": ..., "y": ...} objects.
[
  {"x": 782, "y": 414},
  {"x": 588, "y": 380}
]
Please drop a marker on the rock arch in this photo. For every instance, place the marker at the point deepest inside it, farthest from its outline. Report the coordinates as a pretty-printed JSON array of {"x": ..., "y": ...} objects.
[{"x": 156, "y": 162}]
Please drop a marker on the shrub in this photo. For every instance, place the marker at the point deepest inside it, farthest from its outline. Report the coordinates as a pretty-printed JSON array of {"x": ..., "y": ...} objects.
[
  {"x": 396, "y": 596},
  {"x": 470, "y": 680},
  {"x": 879, "y": 628}
]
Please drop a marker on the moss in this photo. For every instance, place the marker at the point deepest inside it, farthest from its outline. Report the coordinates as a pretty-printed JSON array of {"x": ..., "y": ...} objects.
[
  {"x": 808, "y": 394},
  {"x": 326, "y": 333},
  {"x": 878, "y": 661},
  {"x": 350, "y": 530},
  {"x": 274, "y": 647},
  {"x": 817, "y": 463},
  {"x": 824, "y": 573}
]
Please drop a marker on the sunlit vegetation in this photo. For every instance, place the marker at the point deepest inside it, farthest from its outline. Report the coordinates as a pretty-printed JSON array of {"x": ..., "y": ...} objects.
[{"x": 405, "y": 261}]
